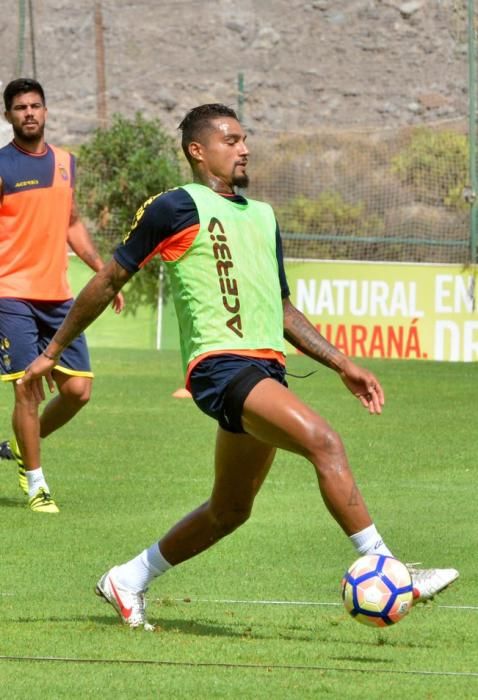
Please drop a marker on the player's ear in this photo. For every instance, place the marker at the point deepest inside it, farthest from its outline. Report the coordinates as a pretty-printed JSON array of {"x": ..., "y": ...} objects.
[
  {"x": 7, "y": 117},
  {"x": 196, "y": 151}
]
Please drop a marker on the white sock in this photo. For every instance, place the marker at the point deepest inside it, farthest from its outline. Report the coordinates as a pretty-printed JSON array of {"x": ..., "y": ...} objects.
[
  {"x": 35, "y": 480},
  {"x": 137, "y": 574},
  {"x": 368, "y": 541}
]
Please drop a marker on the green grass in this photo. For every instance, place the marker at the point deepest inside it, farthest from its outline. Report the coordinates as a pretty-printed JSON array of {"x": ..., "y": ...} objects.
[{"x": 135, "y": 460}]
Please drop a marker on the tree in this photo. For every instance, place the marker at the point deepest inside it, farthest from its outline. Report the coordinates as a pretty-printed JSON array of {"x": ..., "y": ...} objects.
[{"x": 118, "y": 169}]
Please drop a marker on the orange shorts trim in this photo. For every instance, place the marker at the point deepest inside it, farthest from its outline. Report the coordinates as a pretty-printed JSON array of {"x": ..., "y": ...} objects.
[{"x": 266, "y": 354}]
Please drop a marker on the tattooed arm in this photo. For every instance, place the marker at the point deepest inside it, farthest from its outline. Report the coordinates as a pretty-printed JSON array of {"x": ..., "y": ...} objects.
[
  {"x": 90, "y": 303},
  {"x": 305, "y": 337},
  {"x": 300, "y": 333}
]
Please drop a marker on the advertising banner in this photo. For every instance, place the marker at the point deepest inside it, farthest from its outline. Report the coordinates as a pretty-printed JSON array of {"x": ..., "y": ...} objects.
[{"x": 390, "y": 310}]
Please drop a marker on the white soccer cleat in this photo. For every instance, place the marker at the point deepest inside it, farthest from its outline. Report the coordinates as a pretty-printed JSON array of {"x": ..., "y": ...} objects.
[
  {"x": 428, "y": 582},
  {"x": 129, "y": 606}
]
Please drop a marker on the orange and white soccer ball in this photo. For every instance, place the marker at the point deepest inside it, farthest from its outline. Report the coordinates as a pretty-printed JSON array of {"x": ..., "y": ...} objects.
[{"x": 377, "y": 590}]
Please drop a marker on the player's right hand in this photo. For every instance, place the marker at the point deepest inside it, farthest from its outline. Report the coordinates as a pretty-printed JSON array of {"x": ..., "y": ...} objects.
[{"x": 33, "y": 378}]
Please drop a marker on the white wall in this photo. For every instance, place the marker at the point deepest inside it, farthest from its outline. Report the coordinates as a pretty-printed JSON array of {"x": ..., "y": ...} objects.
[{"x": 5, "y": 132}]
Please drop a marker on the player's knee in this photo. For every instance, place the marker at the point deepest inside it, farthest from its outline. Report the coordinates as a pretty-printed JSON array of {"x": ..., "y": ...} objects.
[
  {"x": 79, "y": 398},
  {"x": 82, "y": 399},
  {"x": 324, "y": 444},
  {"x": 25, "y": 399},
  {"x": 226, "y": 521},
  {"x": 77, "y": 391}
]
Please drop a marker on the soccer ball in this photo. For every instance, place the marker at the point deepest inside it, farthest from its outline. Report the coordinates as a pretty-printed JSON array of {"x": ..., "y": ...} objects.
[{"x": 377, "y": 590}]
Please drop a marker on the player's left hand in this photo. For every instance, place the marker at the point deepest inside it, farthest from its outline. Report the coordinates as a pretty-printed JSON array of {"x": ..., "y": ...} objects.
[
  {"x": 118, "y": 303},
  {"x": 365, "y": 386}
]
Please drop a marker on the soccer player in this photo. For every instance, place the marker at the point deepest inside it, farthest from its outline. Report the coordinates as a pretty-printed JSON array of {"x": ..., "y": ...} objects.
[
  {"x": 225, "y": 263},
  {"x": 38, "y": 220}
]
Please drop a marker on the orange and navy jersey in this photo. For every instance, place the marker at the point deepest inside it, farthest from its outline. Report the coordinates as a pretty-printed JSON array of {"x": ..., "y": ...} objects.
[{"x": 34, "y": 221}]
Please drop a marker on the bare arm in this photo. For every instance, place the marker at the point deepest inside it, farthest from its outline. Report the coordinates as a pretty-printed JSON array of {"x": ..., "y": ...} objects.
[
  {"x": 81, "y": 243},
  {"x": 90, "y": 303},
  {"x": 305, "y": 337},
  {"x": 300, "y": 333}
]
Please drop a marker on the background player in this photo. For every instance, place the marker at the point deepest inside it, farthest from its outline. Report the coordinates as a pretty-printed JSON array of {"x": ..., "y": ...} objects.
[{"x": 38, "y": 218}]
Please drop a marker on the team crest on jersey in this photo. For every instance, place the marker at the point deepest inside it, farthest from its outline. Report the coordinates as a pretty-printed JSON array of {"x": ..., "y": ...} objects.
[
  {"x": 63, "y": 172},
  {"x": 4, "y": 347}
]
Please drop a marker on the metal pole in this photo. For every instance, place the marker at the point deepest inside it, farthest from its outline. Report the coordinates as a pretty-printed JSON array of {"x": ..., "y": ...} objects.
[
  {"x": 472, "y": 131},
  {"x": 159, "y": 324},
  {"x": 100, "y": 68},
  {"x": 21, "y": 36},
  {"x": 240, "y": 96},
  {"x": 32, "y": 39}
]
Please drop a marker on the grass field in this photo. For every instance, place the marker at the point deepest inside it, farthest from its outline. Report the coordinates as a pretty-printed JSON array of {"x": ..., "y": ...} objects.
[{"x": 259, "y": 615}]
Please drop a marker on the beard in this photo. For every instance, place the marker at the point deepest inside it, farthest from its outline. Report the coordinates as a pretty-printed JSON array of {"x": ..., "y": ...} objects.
[
  {"x": 241, "y": 181},
  {"x": 30, "y": 136}
]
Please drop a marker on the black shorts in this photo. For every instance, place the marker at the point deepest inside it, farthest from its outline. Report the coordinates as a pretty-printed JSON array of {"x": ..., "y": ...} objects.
[{"x": 220, "y": 384}]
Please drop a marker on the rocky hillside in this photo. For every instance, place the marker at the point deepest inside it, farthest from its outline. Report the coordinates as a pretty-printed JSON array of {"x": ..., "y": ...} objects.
[{"x": 305, "y": 63}]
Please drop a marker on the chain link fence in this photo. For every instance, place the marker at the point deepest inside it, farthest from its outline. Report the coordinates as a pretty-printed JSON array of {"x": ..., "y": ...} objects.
[
  {"x": 393, "y": 195},
  {"x": 397, "y": 195},
  {"x": 402, "y": 193}
]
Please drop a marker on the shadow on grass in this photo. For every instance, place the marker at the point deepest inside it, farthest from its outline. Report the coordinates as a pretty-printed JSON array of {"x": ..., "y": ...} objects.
[
  {"x": 207, "y": 629},
  {"x": 170, "y": 626},
  {"x": 11, "y": 503},
  {"x": 363, "y": 659},
  {"x": 211, "y": 629},
  {"x": 293, "y": 634},
  {"x": 185, "y": 627},
  {"x": 173, "y": 626}
]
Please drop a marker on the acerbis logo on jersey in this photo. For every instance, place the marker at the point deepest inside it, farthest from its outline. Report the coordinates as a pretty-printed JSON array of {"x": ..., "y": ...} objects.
[
  {"x": 27, "y": 183},
  {"x": 139, "y": 215},
  {"x": 227, "y": 284}
]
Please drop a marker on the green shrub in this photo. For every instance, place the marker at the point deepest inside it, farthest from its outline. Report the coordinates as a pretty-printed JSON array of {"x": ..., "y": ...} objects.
[
  {"x": 435, "y": 165},
  {"x": 329, "y": 225},
  {"x": 118, "y": 169},
  {"x": 327, "y": 214}
]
